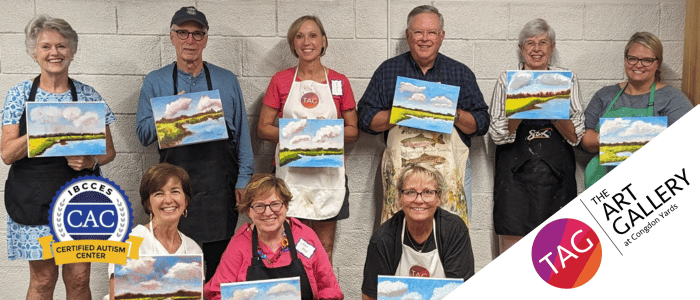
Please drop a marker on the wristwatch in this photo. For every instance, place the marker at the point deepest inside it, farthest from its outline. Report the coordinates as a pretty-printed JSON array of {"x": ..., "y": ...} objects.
[{"x": 95, "y": 164}]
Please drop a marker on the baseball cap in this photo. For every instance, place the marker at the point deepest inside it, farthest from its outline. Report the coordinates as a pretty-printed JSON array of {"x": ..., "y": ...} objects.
[{"x": 189, "y": 13}]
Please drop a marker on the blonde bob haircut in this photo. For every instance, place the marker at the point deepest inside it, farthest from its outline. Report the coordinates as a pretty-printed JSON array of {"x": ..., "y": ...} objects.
[
  {"x": 262, "y": 185},
  {"x": 425, "y": 171},
  {"x": 296, "y": 25},
  {"x": 651, "y": 42}
]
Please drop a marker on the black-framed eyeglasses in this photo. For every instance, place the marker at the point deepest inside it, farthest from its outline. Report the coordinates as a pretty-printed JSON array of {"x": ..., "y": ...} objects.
[
  {"x": 274, "y": 206},
  {"x": 196, "y": 35},
  {"x": 426, "y": 195},
  {"x": 647, "y": 61}
]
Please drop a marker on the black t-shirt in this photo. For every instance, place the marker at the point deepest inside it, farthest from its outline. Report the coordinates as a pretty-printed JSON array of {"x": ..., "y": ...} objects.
[{"x": 384, "y": 250}]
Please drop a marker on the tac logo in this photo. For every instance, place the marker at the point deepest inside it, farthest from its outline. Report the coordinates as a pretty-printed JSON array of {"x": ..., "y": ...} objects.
[
  {"x": 566, "y": 253},
  {"x": 309, "y": 100}
]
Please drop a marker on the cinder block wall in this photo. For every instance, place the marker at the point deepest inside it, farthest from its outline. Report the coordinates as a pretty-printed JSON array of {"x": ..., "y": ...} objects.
[{"x": 121, "y": 41}]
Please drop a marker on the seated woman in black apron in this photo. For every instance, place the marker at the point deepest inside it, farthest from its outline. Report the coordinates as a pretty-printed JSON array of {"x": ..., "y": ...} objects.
[
  {"x": 33, "y": 182},
  {"x": 422, "y": 239},
  {"x": 643, "y": 95},
  {"x": 274, "y": 246}
]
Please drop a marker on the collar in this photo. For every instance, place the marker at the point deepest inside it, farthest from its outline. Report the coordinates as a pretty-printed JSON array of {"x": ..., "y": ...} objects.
[
  {"x": 521, "y": 66},
  {"x": 416, "y": 67},
  {"x": 181, "y": 72}
]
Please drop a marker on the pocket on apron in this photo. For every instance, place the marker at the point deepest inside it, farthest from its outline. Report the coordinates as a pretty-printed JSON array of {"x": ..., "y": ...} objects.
[
  {"x": 28, "y": 201},
  {"x": 537, "y": 172}
]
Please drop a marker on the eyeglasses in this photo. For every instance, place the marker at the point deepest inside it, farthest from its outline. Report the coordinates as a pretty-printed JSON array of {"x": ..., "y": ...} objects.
[
  {"x": 259, "y": 208},
  {"x": 631, "y": 60},
  {"x": 431, "y": 34},
  {"x": 426, "y": 195},
  {"x": 532, "y": 44},
  {"x": 184, "y": 34}
]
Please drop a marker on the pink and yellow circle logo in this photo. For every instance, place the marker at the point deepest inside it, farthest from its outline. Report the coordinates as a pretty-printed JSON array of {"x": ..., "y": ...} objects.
[
  {"x": 309, "y": 100},
  {"x": 566, "y": 253}
]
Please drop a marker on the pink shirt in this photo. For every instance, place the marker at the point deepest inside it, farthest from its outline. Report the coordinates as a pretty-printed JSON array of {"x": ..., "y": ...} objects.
[{"x": 237, "y": 258}]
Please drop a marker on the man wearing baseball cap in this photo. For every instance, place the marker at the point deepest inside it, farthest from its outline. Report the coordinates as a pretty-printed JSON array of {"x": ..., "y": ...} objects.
[{"x": 219, "y": 170}]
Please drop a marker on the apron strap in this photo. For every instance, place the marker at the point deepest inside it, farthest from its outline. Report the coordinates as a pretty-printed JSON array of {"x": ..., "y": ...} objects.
[
  {"x": 206, "y": 74},
  {"x": 650, "y": 109},
  {"x": 615, "y": 100},
  {"x": 290, "y": 238},
  {"x": 32, "y": 98}
]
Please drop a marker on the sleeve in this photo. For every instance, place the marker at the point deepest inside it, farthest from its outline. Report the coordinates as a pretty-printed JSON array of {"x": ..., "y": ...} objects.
[
  {"x": 594, "y": 111},
  {"x": 145, "y": 126},
  {"x": 499, "y": 123},
  {"x": 458, "y": 259},
  {"x": 677, "y": 107},
  {"x": 91, "y": 94},
  {"x": 245, "y": 149},
  {"x": 272, "y": 96},
  {"x": 576, "y": 111},
  {"x": 14, "y": 105},
  {"x": 347, "y": 101},
  {"x": 471, "y": 100},
  {"x": 226, "y": 272},
  {"x": 374, "y": 100},
  {"x": 326, "y": 282},
  {"x": 377, "y": 263}
]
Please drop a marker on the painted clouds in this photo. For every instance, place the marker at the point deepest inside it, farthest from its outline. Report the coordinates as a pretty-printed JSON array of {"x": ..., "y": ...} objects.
[
  {"x": 311, "y": 133},
  {"x": 50, "y": 118},
  {"x": 425, "y": 95},
  {"x": 415, "y": 288},
  {"x": 159, "y": 274},
  {"x": 282, "y": 289},
  {"x": 538, "y": 81},
  {"x": 630, "y": 130}
]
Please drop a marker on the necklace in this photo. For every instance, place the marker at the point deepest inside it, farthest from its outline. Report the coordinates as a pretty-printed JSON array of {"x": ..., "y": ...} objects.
[
  {"x": 284, "y": 247},
  {"x": 410, "y": 240}
]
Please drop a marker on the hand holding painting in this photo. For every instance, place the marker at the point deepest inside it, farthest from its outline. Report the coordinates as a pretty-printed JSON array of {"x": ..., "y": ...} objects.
[{"x": 82, "y": 162}]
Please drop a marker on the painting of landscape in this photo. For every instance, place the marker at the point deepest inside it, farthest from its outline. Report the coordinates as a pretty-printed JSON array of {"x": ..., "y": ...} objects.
[
  {"x": 158, "y": 277},
  {"x": 415, "y": 288},
  {"x": 621, "y": 137},
  {"x": 65, "y": 129},
  {"x": 424, "y": 105},
  {"x": 311, "y": 143},
  {"x": 189, "y": 119},
  {"x": 538, "y": 95},
  {"x": 278, "y": 289}
]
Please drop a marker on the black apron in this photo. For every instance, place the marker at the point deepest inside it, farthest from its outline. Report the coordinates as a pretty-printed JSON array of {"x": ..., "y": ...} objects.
[
  {"x": 213, "y": 170},
  {"x": 258, "y": 270},
  {"x": 33, "y": 182},
  {"x": 535, "y": 177}
]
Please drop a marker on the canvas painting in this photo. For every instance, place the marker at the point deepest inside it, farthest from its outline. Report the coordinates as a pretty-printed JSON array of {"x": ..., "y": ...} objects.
[
  {"x": 65, "y": 129},
  {"x": 278, "y": 289},
  {"x": 621, "y": 137},
  {"x": 190, "y": 118},
  {"x": 311, "y": 143},
  {"x": 538, "y": 95},
  {"x": 156, "y": 277},
  {"x": 424, "y": 105},
  {"x": 415, "y": 288}
]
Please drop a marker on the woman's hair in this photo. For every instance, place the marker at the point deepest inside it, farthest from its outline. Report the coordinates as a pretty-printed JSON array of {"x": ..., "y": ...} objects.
[
  {"x": 296, "y": 25},
  {"x": 157, "y": 176},
  {"x": 262, "y": 185},
  {"x": 44, "y": 22},
  {"x": 651, "y": 42},
  {"x": 425, "y": 171},
  {"x": 534, "y": 28},
  {"x": 424, "y": 9}
]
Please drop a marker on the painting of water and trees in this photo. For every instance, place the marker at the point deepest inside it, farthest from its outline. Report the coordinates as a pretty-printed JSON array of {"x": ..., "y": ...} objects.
[
  {"x": 621, "y": 137},
  {"x": 424, "y": 105},
  {"x": 65, "y": 129},
  {"x": 311, "y": 142},
  {"x": 538, "y": 95},
  {"x": 190, "y": 118}
]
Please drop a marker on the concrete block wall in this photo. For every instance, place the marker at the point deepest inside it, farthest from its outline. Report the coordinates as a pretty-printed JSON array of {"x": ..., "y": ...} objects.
[{"x": 122, "y": 40}]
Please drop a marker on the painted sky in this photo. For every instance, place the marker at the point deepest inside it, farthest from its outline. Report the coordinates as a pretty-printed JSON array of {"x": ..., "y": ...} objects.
[
  {"x": 65, "y": 117},
  {"x": 535, "y": 81},
  {"x": 281, "y": 289},
  {"x": 415, "y": 288},
  {"x": 638, "y": 129},
  {"x": 311, "y": 133},
  {"x": 186, "y": 104},
  {"x": 159, "y": 274},
  {"x": 426, "y": 95}
]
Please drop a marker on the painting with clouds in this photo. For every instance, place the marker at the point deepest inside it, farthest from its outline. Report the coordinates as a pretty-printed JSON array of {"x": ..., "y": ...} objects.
[
  {"x": 621, "y": 137},
  {"x": 415, "y": 288},
  {"x": 538, "y": 95},
  {"x": 424, "y": 105},
  {"x": 311, "y": 142},
  {"x": 154, "y": 277},
  {"x": 65, "y": 129},
  {"x": 190, "y": 118},
  {"x": 278, "y": 289}
]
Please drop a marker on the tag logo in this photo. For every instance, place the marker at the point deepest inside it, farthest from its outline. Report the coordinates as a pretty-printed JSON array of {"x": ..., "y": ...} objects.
[
  {"x": 566, "y": 253},
  {"x": 418, "y": 271},
  {"x": 309, "y": 100}
]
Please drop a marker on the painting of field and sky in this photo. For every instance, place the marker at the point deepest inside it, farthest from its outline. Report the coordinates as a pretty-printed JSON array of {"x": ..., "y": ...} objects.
[
  {"x": 311, "y": 143},
  {"x": 621, "y": 137},
  {"x": 538, "y": 95},
  {"x": 189, "y": 119},
  {"x": 65, "y": 129},
  {"x": 424, "y": 105},
  {"x": 278, "y": 289},
  {"x": 157, "y": 277},
  {"x": 415, "y": 288}
]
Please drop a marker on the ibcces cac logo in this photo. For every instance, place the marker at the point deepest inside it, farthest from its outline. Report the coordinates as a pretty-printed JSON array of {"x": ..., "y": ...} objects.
[
  {"x": 90, "y": 219},
  {"x": 566, "y": 253}
]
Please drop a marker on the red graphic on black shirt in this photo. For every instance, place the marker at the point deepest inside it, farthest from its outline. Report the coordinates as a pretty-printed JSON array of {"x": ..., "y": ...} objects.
[
  {"x": 418, "y": 271},
  {"x": 309, "y": 100}
]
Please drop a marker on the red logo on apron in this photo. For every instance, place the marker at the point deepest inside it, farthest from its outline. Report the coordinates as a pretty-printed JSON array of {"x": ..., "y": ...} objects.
[
  {"x": 309, "y": 100},
  {"x": 418, "y": 271}
]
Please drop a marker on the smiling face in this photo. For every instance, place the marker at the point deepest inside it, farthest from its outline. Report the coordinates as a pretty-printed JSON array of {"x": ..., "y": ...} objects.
[
  {"x": 638, "y": 73},
  {"x": 536, "y": 51},
  {"x": 419, "y": 210},
  {"x": 52, "y": 52},
  {"x": 268, "y": 222},
  {"x": 188, "y": 50},
  {"x": 169, "y": 202},
  {"x": 309, "y": 41},
  {"x": 424, "y": 37}
]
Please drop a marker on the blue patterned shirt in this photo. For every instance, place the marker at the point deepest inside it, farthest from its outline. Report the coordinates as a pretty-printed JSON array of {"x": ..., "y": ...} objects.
[{"x": 379, "y": 94}]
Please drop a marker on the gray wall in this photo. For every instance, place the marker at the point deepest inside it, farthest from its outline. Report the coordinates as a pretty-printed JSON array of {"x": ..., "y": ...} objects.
[{"x": 121, "y": 41}]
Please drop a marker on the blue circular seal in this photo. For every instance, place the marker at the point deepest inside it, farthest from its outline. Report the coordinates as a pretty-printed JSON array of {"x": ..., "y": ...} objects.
[{"x": 90, "y": 208}]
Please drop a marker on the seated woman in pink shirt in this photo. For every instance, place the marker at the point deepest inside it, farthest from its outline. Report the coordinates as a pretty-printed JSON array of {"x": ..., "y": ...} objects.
[{"x": 262, "y": 249}]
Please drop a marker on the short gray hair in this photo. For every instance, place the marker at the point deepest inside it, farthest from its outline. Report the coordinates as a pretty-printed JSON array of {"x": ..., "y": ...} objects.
[
  {"x": 534, "y": 28},
  {"x": 424, "y": 170},
  {"x": 425, "y": 9},
  {"x": 45, "y": 22}
]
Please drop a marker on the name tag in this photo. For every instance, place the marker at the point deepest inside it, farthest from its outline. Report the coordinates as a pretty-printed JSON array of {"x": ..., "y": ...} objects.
[
  {"x": 305, "y": 248},
  {"x": 336, "y": 87}
]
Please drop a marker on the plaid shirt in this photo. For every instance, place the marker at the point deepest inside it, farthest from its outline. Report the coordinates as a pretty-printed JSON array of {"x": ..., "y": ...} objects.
[{"x": 379, "y": 94}]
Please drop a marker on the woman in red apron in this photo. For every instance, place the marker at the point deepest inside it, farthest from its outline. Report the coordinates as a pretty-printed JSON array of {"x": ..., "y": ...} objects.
[
  {"x": 642, "y": 95},
  {"x": 311, "y": 91},
  {"x": 274, "y": 246}
]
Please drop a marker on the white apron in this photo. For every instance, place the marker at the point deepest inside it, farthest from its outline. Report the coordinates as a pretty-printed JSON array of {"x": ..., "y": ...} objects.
[
  {"x": 317, "y": 193},
  {"x": 445, "y": 152},
  {"x": 415, "y": 264}
]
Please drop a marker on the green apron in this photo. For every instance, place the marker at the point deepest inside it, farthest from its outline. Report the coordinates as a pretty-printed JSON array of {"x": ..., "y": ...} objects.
[{"x": 594, "y": 171}]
